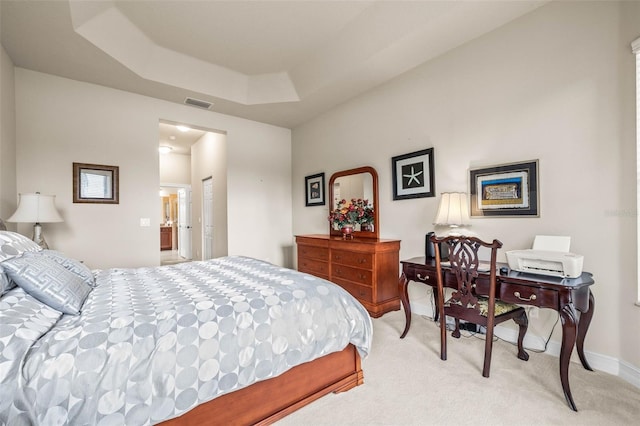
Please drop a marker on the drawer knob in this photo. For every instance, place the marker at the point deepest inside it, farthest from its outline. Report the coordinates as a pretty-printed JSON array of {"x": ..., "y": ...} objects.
[
  {"x": 532, "y": 297},
  {"x": 421, "y": 278}
]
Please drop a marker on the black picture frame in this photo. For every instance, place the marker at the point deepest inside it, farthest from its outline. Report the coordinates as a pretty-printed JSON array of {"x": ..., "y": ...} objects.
[
  {"x": 507, "y": 190},
  {"x": 413, "y": 175},
  {"x": 314, "y": 193}
]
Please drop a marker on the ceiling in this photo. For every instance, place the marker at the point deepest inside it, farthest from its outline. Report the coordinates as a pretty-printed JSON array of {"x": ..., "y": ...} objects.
[
  {"x": 179, "y": 141},
  {"x": 277, "y": 62}
]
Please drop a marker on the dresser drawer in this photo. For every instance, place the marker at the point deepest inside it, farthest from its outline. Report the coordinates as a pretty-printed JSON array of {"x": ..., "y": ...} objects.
[
  {"x": 525, "y": 295},
  {"x": 360, "y": 292},
  {"x": 359, "y": 260},
  {"x": 360, "y": 276},
  {"x": 313, "y": 266},
  {"x": 320, "y": 253},
  {"x": 422, "y": 275}
]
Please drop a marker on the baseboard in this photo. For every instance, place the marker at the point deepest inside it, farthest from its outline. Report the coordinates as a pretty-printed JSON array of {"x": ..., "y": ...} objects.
[{"x": 600, "y": 362}]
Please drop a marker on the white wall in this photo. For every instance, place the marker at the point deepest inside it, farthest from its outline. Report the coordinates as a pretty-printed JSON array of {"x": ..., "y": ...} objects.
[
  {"x": 7, "y": 139},
  {"x": 60, "y": 121},
  {"x": 175, "y": 169},
  {"x": 556, "y": 85},
  {"x": 209, "y": 159}
]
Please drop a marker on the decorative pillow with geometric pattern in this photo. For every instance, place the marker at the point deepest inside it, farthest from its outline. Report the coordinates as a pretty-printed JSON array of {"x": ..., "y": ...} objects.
[
  {"x": 73, "y": 265},
  {"x": 49, "y": 282}
]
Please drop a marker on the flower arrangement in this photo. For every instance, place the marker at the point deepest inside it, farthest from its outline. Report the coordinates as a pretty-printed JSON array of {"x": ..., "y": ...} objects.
[{"x": 357, "y": 211}]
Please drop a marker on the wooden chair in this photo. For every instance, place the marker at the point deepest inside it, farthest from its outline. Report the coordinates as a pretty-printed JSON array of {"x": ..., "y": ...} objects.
[{"x": 474, "y": 296}]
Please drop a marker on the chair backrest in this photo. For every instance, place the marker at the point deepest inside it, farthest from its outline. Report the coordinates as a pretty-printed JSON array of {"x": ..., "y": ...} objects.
[{"x": 465, "y": 264}]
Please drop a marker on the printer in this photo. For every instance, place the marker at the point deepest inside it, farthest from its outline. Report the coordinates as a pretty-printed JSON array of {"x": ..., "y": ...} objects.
[{"x": 549, "y": 256}]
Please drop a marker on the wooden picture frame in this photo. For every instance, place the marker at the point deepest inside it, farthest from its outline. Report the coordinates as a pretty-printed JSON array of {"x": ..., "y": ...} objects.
[
  {"x": 507, "y": 190},
  {"x": 314, "y": 193},
  {"x": 413, "y": 175},
  {"x": 95, "y": 183}
]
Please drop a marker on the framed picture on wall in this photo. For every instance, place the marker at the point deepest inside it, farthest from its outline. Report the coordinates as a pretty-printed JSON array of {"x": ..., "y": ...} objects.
[
  {"x": 505, "y": 190},
  {"x": 413, "y": 175},
  {"x": 96, "y": 183},
  {"x": 314, "y": 190}
]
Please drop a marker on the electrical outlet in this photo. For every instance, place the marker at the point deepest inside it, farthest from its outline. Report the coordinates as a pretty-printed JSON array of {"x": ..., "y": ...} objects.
[
  {"x": 533, "y": 312},
  {"x": 145, "y": 222}
]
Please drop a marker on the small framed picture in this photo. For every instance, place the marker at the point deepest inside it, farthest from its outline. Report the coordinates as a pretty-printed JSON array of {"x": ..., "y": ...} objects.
[
  {"x": 96, "y": 183},
  {"x": 314, "y": 190},
  {"x": 505, "y": 190},
  {"x": 413, "y": 175}
]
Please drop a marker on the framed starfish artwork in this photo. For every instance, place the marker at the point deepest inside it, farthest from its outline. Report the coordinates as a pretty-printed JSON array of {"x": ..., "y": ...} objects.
[{"x": 413, "y": 175}]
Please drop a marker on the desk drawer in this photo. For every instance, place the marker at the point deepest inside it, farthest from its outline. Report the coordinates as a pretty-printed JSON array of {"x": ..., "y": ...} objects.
[
  {"x": 351, "y": 258},
  {"x": 421, "y": 275},
  {"x": 526, "y": 295},
  {"x": 360, "y": 276}
]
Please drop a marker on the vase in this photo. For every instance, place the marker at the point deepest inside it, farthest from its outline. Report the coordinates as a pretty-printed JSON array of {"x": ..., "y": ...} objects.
[
  {"x": 347, "y": 232},
  {"x": 367, "y": 227}
]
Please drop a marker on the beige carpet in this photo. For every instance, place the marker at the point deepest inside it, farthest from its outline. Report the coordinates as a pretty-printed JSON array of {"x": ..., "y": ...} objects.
[{"x": 401, "y": 379}]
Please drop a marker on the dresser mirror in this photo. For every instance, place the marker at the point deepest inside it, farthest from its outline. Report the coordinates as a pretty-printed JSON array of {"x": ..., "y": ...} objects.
[{"x": 360, "y": 183}]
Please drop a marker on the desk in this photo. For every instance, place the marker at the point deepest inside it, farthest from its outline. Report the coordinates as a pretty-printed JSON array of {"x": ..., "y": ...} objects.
[{"x": 567, "y": 296}]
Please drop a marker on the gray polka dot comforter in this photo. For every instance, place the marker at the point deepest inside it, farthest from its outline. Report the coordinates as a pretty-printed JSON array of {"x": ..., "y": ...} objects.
[{"x": 152, "y": 343}]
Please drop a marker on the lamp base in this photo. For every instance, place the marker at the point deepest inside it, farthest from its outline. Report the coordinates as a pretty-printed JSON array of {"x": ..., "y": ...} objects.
[{"x": 38, "y": 238}]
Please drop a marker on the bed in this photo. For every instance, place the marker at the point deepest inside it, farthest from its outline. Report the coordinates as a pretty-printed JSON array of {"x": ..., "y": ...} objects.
[{"x": 232, "y": 340}]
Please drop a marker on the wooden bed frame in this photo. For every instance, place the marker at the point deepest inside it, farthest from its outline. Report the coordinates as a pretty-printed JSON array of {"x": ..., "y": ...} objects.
[{"x": 270, "y": 400}]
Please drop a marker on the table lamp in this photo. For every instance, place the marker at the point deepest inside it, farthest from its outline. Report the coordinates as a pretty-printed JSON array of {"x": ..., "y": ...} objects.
[
  {"x": 36, "y": 208},
  {"x": 453, "y": 211}
]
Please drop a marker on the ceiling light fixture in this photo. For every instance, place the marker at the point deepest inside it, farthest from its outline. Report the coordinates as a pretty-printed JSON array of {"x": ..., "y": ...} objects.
[
  {"x": 164, "y": 149},
  {"x": 183, "y": 128}
]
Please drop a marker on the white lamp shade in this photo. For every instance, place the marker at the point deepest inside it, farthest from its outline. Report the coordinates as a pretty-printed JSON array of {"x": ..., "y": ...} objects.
[
  {"x": 36, "y": 208},
  {"x": 453, "y": 210}
]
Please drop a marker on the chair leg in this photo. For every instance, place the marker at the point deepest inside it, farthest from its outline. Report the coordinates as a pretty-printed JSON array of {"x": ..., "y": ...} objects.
[
  {"x": 456, "y": 332},
  {"x": 488, "y": 346},
  {"x": 523, "y": 324},
  {"x": 443, "y": 337}
]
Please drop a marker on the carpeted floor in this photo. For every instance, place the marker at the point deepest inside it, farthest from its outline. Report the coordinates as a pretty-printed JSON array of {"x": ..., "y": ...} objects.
[{"x": 406, "y": 383}]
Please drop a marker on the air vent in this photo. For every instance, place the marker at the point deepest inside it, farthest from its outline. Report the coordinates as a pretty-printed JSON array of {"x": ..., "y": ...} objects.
[{"x": 198, "y": 103}]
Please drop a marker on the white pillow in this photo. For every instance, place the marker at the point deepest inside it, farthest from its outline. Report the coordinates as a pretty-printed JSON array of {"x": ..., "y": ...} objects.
[{"x": 13, "y": 244}]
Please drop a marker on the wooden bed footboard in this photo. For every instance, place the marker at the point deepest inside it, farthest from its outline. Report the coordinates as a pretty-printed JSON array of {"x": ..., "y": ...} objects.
[{"x": 267, "y": 401}]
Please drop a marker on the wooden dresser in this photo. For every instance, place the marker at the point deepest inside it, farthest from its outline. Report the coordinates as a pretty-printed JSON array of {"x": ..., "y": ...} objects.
[{"x": 368, "y": 268}]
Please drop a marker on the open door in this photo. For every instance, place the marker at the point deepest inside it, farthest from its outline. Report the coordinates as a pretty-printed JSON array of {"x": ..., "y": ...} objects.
[
  {"x": 207, "y": 218},
  {"x": 184, "y": 223}
]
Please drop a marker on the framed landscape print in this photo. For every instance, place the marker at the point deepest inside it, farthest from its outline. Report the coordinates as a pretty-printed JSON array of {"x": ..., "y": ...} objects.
[
  {"x": 314, "y": 190},
  {"x": 413, "y": 175},
  {"x": 505, "y": 190}
]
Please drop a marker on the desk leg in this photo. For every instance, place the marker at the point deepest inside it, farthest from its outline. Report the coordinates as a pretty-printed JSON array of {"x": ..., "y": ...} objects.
[
  {"x": 583, "y": 326},
  {"x": 568, "y": 317},
  {"x": 403, "y": 287}
]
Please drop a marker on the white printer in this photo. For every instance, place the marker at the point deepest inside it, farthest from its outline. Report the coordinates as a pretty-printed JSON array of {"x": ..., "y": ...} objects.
[{"x": 549, "y": 256}]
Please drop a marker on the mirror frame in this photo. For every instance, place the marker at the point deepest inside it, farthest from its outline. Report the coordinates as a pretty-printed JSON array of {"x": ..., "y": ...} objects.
[{"x": 376, "y": 205}]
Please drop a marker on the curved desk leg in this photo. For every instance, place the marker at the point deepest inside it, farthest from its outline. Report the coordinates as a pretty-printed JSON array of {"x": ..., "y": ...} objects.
[
  {"x": 403, "y": 287},
  {"x": 583, "y": 326},
  {"x": 569, "y": 332}
]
